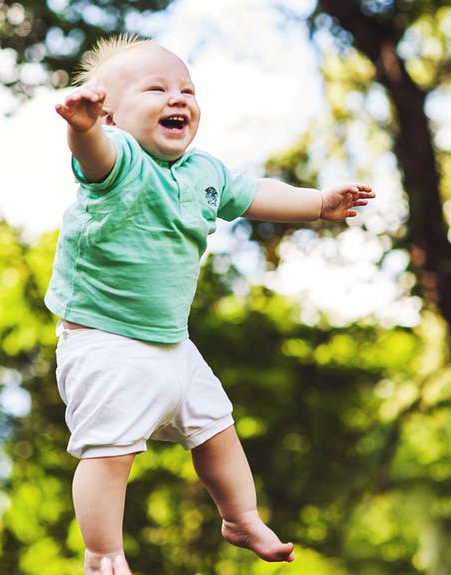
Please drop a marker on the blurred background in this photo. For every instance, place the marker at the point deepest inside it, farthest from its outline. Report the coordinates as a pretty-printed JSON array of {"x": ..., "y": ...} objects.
[{"x": 332, "y": 340}]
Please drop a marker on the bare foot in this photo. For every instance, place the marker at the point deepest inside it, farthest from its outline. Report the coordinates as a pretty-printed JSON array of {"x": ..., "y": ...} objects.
[
  {"x": 250, "y": 532},
  {"x": 106, "y": 563},
  {"x": 116, "y": 567}
]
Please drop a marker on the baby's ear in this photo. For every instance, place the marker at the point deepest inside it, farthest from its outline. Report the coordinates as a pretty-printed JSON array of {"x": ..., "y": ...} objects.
[{"x": 107, "y": 117}]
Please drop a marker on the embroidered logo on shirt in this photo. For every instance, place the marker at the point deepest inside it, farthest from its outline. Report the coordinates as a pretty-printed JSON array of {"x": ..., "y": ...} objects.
[{"x": 212, "y": 196}]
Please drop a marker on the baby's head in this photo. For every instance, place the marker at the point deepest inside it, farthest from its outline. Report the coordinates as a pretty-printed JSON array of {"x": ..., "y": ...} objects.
[{"x": 149, "y": 93}]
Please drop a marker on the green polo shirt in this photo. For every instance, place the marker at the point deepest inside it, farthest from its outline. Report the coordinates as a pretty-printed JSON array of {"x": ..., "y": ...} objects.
[{"x": 129, "y": 250}]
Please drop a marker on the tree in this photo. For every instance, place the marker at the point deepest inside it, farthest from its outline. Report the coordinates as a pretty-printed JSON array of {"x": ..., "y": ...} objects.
[
  {"x": 347, "y": 428},
  {"x": 397, "y": 37},
  {"x": 319, "y": 439},
  {"x": 44, "y": 39}
]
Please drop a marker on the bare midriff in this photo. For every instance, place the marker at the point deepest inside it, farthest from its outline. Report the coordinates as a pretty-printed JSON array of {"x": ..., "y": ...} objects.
[{"x": 70, "y": 325}]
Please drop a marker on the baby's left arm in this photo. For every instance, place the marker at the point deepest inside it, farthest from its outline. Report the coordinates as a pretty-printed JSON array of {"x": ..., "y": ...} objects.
[{"x": 280, "y": 202}]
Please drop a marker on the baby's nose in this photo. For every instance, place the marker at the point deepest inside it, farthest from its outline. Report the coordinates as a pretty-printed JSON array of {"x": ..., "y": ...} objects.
[{"x": 177, "y": 100}]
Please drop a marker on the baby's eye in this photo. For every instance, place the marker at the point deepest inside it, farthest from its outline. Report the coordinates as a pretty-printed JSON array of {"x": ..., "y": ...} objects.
[
  {"x": 155, "y": 89},
  {"x": 189, "y": 91}
]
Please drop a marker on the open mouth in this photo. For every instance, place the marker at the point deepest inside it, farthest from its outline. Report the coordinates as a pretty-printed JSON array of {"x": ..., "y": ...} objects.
[{"x": 175, "y": 122}]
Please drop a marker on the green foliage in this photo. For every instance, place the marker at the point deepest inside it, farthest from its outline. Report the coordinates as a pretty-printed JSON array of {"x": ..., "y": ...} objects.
[
  {"x": 51, "y": 35},
  {"x": 347, "y": 431}
]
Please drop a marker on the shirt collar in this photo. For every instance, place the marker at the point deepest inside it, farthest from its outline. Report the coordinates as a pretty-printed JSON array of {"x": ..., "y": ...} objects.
[{"x": 176, "y": 164}]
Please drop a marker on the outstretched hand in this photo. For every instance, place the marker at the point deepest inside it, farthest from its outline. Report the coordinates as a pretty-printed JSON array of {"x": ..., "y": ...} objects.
[
  {"x": 339, "y": 201},
  {"x": 116, "y": 567},
  {"x": 82, "y": 108}
]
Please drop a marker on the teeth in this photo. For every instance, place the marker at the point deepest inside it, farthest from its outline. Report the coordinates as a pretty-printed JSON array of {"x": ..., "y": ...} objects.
[{"x": 175, "y": 122}]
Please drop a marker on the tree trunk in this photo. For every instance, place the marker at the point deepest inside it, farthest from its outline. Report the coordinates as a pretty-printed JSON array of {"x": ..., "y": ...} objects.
[{"x": 427, "y": 237}]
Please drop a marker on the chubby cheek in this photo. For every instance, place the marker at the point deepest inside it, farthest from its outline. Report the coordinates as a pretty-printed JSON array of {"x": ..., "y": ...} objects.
[
  {"x": 130, "y": 118},
  {"x": 197, "y": 115},
  {"x": 119, "y": 120},
  {"x": 195, "y": 126},
  {"x": 137, "y": 128}
]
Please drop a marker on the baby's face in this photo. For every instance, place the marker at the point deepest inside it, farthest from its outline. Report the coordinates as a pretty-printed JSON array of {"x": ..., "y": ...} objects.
[{"x": 150, "y": 95}]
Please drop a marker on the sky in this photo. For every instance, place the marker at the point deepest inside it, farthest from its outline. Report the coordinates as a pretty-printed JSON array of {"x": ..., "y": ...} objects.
[
  {"x": 256, "y": 96},
  {"x": 258, "y": 87}
]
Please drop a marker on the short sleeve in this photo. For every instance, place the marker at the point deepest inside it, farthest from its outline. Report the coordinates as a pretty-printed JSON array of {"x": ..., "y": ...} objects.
[
  {"x": 124, "y": 146},
  {"x": 237, "y": 195}
]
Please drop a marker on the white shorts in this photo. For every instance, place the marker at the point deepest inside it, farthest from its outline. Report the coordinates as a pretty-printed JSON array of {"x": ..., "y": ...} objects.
[{"x": 119, "y": 392}]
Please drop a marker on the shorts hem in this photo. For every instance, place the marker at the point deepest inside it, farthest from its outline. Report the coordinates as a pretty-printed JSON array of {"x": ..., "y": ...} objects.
[
  {"x": 207, "y": 433},
  {"x": 93, "y": 451}
]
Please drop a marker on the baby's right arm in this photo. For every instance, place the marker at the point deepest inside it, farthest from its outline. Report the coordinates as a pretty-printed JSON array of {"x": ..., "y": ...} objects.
[{"x": 88, "y": 142}]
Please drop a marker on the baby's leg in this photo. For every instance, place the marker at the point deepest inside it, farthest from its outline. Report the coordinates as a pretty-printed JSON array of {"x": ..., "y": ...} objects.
[
  {"x": 221, "y": 464},
  {"x": 99, "y": 497}
]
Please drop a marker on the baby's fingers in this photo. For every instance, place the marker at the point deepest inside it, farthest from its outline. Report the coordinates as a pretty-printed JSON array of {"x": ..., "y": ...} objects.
[
  {"x": 361, "y": 187},
  {"x": 363, "y": 190},
  {"x": 360, "y": 202},
  {"x": 87, "y": 94},
  {"x": 367, "y": 195},
  {"x": 81, "y": 98}
]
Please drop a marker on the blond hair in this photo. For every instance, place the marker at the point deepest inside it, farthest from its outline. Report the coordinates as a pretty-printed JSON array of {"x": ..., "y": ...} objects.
[{"x": 105, "y": 48}]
